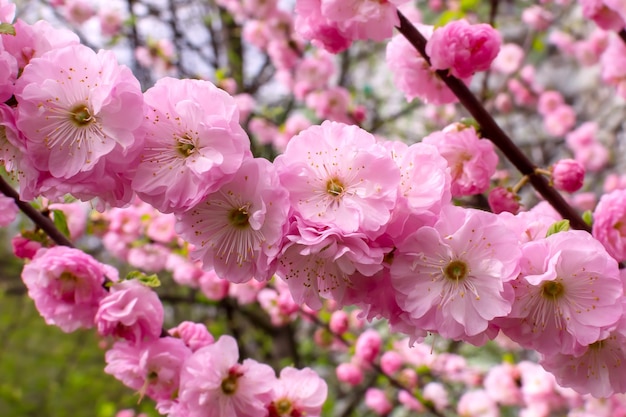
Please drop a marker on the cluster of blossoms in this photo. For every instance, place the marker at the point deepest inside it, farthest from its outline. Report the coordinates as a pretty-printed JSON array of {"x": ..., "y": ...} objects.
[{"x": 340, "y": 215}]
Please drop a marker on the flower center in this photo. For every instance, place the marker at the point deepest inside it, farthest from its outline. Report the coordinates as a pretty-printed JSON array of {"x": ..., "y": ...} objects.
[
  {"x": 283, "y": 407},
  {"x": 552, "y": 289},
  {"x": 229, "y": 384},
  {"x": 238, "y": 217},
  {"x": 335, "y": 187},
  {"x": 80, "y": 115},
  {"x": 456, "y": 270},
  {"x": 185, "y": 146}
]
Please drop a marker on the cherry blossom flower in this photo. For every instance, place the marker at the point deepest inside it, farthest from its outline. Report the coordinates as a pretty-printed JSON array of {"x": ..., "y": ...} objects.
[
  {"x": 463, "y": 48},
  {"x": 66, "y": 285},
  {"x": 568, "y": 175},
  {"x": 195, "y": 335},
  {"x": 566, "y": 295},
  {"x": 214, "y": 384},
  {"x": 298, "y": 392},
  {"x": 338, "y": 176},
  {"x": 453, "y": 278},
  {"x": 131, "y": 311},
  {"x": 194, "y": 143},
  {"x": 609, "y": 223},
  {"x": 238, "y": 229}
]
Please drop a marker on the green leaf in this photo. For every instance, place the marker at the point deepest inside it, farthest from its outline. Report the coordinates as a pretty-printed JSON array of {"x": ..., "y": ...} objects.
[
  {"x": 7, "y": 29},
  {"x": 147, "y": 280},
  {"x": 588, "y": 217},
  {"x": 449, "y": 16},
  {"x": 467, "y": 5},
  {"x": 560, "y": 226},
  {"x": 60, "y": 222}
]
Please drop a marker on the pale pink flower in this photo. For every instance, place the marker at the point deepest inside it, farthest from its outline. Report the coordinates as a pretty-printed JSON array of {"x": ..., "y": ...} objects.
[
  {"x": 213, "y": 287},
  {"x": 463, "y": 48},
  {"x": 195, "y": 335},
  {"x": 131, "y": 311},
  {"x": 502, "y": 384},
  {"x": 472, "y": 160},
  {"x": 560, "y": 120},
  {"x": 8, "y": 210},
  {"x": 150, "y": 257},
  {"x": 330, "y": 104},
  {"x": 66, "y": 285},
  {"x": 79, "y": 11},
  {"x": 509, "y": 59},
  {"x": 437, "y": 394},
  {"x": 298, "y": 392},
  {"x": 349, "y": 373},
  {"x": 377, "y": 401},
  {"x": 613, "y": 64},
  {"x": 609, "y": 223},
  {"x": 194, "y": 143},
  {"x": 153, "y": 368},
  {"x": 477, "y": 404},
  {"x": 566, "y": 295},
  {"x": 568, "y": 175},
  {"x": 338, "y": 176},
  {"x": 214, "y": 384},
  {"x": 452, "y": 278},
  {"x": 110, "y": 21},
  {"x": 537, "y": 17},
  {"x": 412, "y": 74},
  {"x": 583, "y": 136},
  {"x": 367, "y": 346},
  {"x": 238, "y": 229},
  {"x": 7, "y": 11},
  {"x": 313, "y": 73}
]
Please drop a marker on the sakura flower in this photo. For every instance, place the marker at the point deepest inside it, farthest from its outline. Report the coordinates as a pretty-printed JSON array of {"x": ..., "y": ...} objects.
[
  {"x": 131, "y": 311},
  {"x": 477, "y": 404},
  {"x": 472, "y": 160},
  {"x": 195, "y": 335},
  {"x": 377, "y": 401},
  {"x": 298, "y": 392},
  {"x": 463, "y": 48},
  {"x": 8, "y": 210},
  {"x": 609, "y": 223},
  {"x": 214, "y": 384},
  {"x": 194, "y": 143},
  {"x": 453, "y": 278},
  {"x": 152, "y": 368},
  {"x": 338, "y": 176},
  {"x": 238, "y": 229},
  {"x": 75, "y": 108},
  {"x": 568, "y": 175},
  {"x": 566, "y": 296},
  {"x": 66, "y": 285}
]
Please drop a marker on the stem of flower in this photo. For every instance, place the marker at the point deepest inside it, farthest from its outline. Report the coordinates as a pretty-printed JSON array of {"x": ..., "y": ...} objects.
[{"x": 491, "y": 130}]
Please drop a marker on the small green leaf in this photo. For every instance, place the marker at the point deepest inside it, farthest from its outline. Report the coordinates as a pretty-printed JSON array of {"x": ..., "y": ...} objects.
[
  {"x": 7, "y": 29},
  {"x": 147, "y": 280},
  {"x": 560, "y": 226},
  {"x": 449, "y": 16},
  {"x": 588, "y": 217},
  {"x": 60, "y": 222},
  {"x": 468, "y": 5}
]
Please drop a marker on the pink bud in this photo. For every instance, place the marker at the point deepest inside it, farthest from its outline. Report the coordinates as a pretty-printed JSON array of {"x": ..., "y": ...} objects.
[
  {"x": 377, "y": 401},
  {"x": 349, "y": 373},
  {"x": 503, "y": 199},
  {"x": 24, "y": 248},
  {"x": 368, "y": 346},
  {"x": 568, "y": 175},
  {"x": 339, "y": 322},
  {"x": 391, "y": 362}
]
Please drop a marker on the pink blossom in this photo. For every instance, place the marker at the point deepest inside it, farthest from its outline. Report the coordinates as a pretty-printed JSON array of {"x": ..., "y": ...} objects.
[
  {"x": 509, "y": 59},
  {"x": 368, "y": 346},
  {"x": 412, "y": 74},
  {"x": 312, "y": 25},
  {"x": 603, "y": 15},
  {"x": 298, "y": 392},
  {"x": 613, "y": 64},
  {"x": 502, "y": 384},
  {"x": 463, "y": 48},
  {"x": 153, "y": 368},
  {"x": 560, "y": 120},
  {"x": 110, "y": 21},
  {"x": 8, "y": 210},
  {"x": 377, "y": 401},
  {"x": 75, "y": 215},
  {"x": 568, "y": 175},
  {"x": 565, "y": 297},
  {"x": 391, "y": 362},
  {"x": 195, "y": 335},
  {"x": 330, "y": 104},
  {"x": 537, "y": 17},
  {"x": 477, "y": 404},
  {"x": 7, "y": 11},
  {"x": 549, "y": 101},
  {"x": 25, "y": 248},
  {"x": 214, "y": 384},
  {"x": 213, "y": 287},
  {"x": 238, "y": 229},
  {"x": 79, "y": 11},
  {"x": 338, "y": 176},
  {"x": 609, "y": 223},
  {"x": 131, "y": 311},
  {"x": 452, "y": 278},
  {"x": 437, "y": 394},
  {"x": 503, "y": 199},
  {"x": 150, "y": 257},
  {"x": 339, "y": 323},
  {"x": 594, "y": 157},
  {"x": 66, "y": 285},
  {"x": 472, "y": 160},
  {"x": 193, "y": 131},
  {"x": 349, "y": 373},
  {"x": 583, "y": 136}
]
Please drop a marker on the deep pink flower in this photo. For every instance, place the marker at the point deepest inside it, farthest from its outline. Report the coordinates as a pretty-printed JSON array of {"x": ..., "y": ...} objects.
[
  {"x": 338, "y": 176},
  {"x": 566, "y": 296},
  {"x": 67, "y": 286},
  {"x": 452, "y": 278},
  {"x": 503, "y": 199},
  {"x": 609, "y": 223},
  {"x": 153, "y": 368},
  {"x": 463, "y": 48},
  {"x": 214, "y": 384},
  {"x": 472, "y": 160},
  {"x": 568, "y": 175},
  {"x": 298, "y": 392},
  {"x": 195, "y": 335},
  {"x": 238, "y": 229},
  {"x": 194, "y": 143},
  {"x": 131, "y": 311}
]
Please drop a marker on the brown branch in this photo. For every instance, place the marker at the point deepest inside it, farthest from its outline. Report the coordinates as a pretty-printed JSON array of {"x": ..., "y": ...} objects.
[
  {"x": 493, "y": 132},
  {"x": 43, "y": 222},
  {"x": 622, "y": 34}
]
